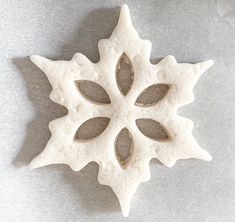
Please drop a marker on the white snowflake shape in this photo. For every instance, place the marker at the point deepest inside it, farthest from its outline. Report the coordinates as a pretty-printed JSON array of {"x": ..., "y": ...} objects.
[{"x": 62, "y": 148}]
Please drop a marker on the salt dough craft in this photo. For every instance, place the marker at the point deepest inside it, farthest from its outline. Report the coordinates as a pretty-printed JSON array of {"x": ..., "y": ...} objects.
[{"x": 62, "y": 148}]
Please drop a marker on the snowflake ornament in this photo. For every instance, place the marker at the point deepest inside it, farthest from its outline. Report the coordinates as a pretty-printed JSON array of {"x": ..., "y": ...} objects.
[{"x": 125, "y": 45}]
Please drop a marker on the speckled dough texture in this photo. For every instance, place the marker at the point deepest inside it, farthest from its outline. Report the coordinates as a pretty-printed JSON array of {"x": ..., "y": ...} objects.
[{"x": 63, "y": 149}]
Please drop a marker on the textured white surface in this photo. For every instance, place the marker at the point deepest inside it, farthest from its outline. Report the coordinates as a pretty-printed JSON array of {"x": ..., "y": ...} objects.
[
  {"x": 192, "y": 190},
  {"x": 63, "y": 149}
]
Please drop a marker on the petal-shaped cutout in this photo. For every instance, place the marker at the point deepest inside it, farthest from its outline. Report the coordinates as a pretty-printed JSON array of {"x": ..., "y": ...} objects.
[
  {"x": 152, "y": 95},
  {"x": 123, "y": 146},
  {"x": 93, "y": 91},
  {"x": 152, "y": 129},
  {"x": 92, "y": 128},
  {"x": 124, "y": 74}
]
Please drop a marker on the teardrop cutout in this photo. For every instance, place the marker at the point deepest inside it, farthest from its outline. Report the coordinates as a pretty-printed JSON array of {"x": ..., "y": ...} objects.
[
  {"x": 152, "y": 95},
  {"x": 93, "y": 91},
  {"x": 124, "y": 74},
  {"x": 92, "y": 128},
  {"x": 152, "y": 129},
  {"x": 123, "y": 146}
]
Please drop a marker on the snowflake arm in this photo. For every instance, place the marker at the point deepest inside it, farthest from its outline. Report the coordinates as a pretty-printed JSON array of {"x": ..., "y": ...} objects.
[{"x": 181, "y": 78}]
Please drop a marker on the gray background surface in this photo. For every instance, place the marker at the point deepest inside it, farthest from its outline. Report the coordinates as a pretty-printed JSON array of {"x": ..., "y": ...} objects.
[{"x": 192, "y": 31}]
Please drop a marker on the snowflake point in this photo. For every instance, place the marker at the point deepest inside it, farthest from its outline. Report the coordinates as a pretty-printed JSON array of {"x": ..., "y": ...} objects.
[
  {"x": 203, "y": 66},
  {"x": 124, "y": 14}
]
